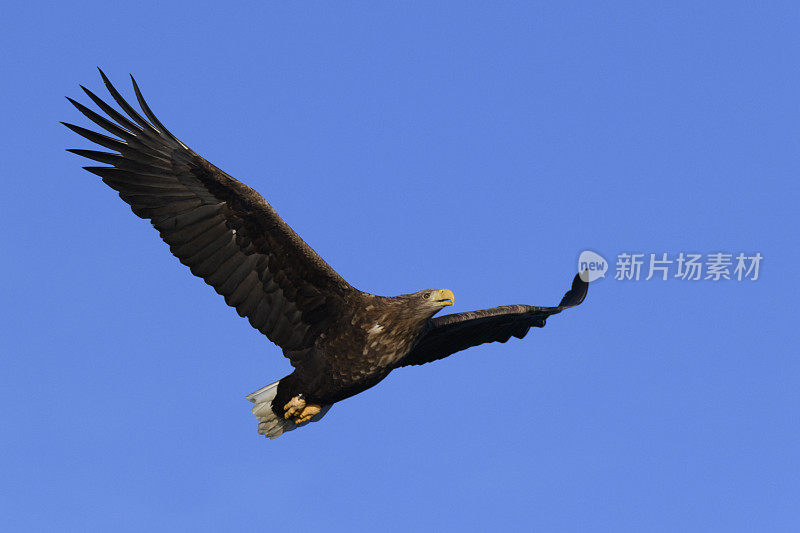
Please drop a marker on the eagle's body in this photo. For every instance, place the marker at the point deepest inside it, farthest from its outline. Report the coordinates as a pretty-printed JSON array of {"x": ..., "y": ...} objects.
[
  {"x": 368, "y": 340},
  {"x": 340, "y": 340}
]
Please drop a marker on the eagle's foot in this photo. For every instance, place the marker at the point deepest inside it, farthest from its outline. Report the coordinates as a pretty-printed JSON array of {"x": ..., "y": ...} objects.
[
  {"x": 299, "y": 410},
  {"x": 307, "y": 413},
  {"x": 294, "y": 407}
]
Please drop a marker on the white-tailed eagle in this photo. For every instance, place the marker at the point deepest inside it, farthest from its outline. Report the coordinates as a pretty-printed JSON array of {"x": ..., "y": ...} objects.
[{"x": 340, "y": 340}]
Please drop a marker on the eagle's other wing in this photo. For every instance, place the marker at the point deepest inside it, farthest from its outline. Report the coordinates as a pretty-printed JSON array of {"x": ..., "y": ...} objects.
[
  {"x": 452, "y": 333},
  {"x": 223, "y": 230}
]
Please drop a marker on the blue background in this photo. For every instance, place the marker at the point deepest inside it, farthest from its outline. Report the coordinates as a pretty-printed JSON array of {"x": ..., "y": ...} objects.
[{"x": 473, "y": 146}]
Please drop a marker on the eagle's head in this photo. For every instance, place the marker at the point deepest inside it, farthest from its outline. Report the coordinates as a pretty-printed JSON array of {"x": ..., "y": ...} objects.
[
  {"x": 437, "y": 298},
  {"x": 428, "y": 302},
  {"x": 419, "y": 306}
]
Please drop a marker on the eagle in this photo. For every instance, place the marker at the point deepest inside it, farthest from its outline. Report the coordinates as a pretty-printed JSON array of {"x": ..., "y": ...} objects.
[{"x": 339, "y": 340}]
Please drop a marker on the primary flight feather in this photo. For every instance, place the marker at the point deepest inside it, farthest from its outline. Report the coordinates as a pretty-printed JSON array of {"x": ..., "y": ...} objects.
[{"x": 340, "y": 340}]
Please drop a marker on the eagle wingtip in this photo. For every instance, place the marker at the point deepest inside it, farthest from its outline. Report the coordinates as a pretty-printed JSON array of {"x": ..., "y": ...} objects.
[{"x": 577, "y": 293}]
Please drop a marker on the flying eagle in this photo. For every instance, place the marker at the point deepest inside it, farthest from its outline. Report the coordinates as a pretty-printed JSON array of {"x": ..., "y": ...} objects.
[{"x": 340, "y": 340}]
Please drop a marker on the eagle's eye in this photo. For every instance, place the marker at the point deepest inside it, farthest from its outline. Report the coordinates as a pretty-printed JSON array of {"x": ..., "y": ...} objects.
[{"x": 426, "y": 295}]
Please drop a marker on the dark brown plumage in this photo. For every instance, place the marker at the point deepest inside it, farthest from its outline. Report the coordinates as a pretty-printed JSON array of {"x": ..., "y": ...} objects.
[{"x": 340, "y": 340}]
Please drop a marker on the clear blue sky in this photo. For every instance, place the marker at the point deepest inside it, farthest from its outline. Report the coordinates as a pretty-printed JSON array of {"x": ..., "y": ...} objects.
[{"x": 473, "y": 146}]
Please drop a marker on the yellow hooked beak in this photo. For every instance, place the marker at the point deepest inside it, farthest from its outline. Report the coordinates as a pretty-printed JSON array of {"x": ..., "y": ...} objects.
[{"x": 445, "y": 297}]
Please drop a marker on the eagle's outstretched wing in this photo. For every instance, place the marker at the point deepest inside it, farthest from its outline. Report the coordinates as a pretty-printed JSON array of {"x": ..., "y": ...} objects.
[
  {"x": 452, "y": 333},
  {"x": 223, "y": 230}
]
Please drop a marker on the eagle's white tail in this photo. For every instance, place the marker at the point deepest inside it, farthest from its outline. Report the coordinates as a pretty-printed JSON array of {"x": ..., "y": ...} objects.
[{"x": 269, "y": 424}]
